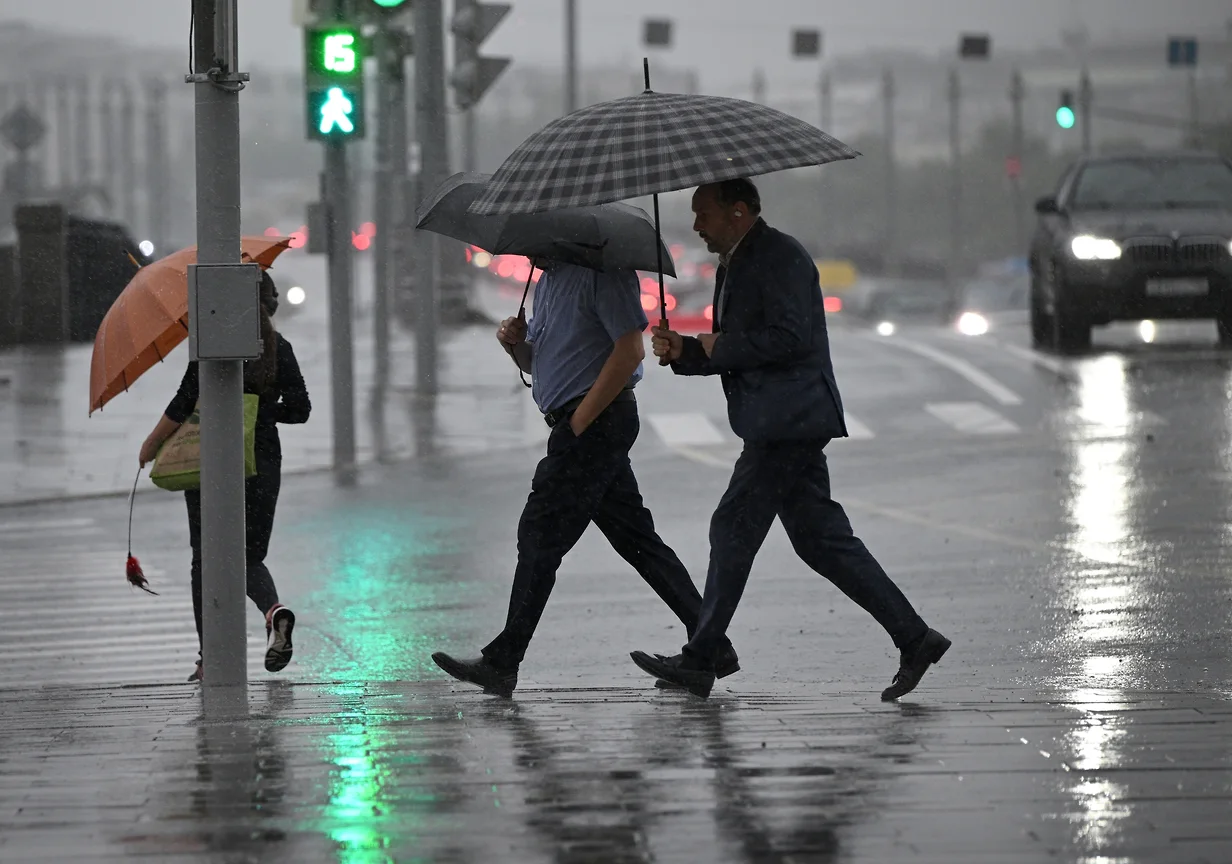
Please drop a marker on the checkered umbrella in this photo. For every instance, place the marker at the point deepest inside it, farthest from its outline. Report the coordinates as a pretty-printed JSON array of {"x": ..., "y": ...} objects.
[
  {"x": 651, "y": 143},
  {"x": 647, "y": 144}
]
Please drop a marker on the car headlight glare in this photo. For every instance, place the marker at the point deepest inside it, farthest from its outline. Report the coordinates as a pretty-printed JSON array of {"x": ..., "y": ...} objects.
[{"x": 1088, "y": 248}]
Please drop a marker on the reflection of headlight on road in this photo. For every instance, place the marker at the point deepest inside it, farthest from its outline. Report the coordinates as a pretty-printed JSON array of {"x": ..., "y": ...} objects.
[
  {"x": 885, "y": 328},
  {"x": 295, "y": 295},
  {"x": 972, "y": 324},
  {"x": 1147, "y": 331},
  {"x": 1088, "y": 248}
]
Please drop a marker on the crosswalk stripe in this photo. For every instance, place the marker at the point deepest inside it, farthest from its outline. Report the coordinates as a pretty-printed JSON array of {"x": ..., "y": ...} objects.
[
  {"x": 856, "y": 430},
  {"x": 686, "y": 430},
  {"x": 971, "y": 418}
]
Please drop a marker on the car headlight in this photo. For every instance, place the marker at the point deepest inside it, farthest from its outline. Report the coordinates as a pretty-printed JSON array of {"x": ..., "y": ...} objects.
[
  {"x": 972, "y": 324},
  {"x": 1088, "y": 248}
]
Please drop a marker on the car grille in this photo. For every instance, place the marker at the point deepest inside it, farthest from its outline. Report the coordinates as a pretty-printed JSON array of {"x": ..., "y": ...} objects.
[
  {"x": 1149, "y": 253},
  {"x": 1187, "y": 253},
  {"x": 1201, "y": 252}
]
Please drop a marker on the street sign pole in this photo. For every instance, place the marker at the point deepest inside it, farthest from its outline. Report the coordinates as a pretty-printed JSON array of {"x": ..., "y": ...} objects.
[
  {"x": 571, "y": 72},
  {"x": 1017, "y": 94},
  {"x": 891, "y": 174},
  {"x": 1085, "y": 98},
  {"x": 430, "y": 131},
  {"x": 223, "y": 559}
]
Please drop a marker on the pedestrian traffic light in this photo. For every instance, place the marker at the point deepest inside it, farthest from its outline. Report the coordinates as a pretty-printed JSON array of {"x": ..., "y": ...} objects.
[
  {"x": 377, "y": 10},
  {"x": 472, "y": 23},
  {"x": 334, "y": 82},
  {"x": 1065, "y": 111}
]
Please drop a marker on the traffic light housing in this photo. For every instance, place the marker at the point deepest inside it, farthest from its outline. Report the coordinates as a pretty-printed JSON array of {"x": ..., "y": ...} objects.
[
  {"x": 334, "y": 82},
  {"x": 1066, "y": 118},
  {"x": 472, "y": 23}
]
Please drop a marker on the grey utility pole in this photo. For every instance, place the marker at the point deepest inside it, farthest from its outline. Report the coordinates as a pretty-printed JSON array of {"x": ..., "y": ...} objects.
[
  {"x": 392, "y": 47},
  {"x": 1017, "y": 94},
  {"x": 83, "y": 139},
  {"x": 827, "y": 103},
  {"x": 111, "y": 148},
  {"x": 1085, "y": 98},
  {"x": 128, "y": 154},
  {"x": 217, "y": 83},
  {"x": 759, "y": 86},
  {"x": 64, "y": 134},
  {"x": 954, "y": 94},
  {"x": 891, "y": 174},
  {"x": 157, "y": 171},
  {"x": 429, "y": 29},
  {"x": 571, "y": 71}
]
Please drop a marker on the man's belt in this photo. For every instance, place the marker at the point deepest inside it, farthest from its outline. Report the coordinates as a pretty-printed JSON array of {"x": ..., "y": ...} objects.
[{"x": 565, "y": 411}]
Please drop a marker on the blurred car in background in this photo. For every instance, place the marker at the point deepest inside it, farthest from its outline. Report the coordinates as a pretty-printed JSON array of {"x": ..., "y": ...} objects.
[
  {"x": 989, "y": 301},
  {"x": 887, "y": 302}
]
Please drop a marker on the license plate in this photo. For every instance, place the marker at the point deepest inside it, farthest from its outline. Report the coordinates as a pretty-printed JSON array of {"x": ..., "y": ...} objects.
[{"x": 1176, "y": 287}]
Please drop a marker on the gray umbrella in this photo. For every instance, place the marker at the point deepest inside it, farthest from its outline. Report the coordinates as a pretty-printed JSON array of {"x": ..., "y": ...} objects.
[{"x": 614, "y": 236}]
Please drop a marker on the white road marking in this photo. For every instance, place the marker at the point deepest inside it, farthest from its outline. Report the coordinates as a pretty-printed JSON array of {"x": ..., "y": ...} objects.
[
  {"x": 982, "y": 380},
  {"x": 971, "y": 418},
  {"x": 20, "y": 526},
  {"x": 856, "y": 430},
  {"x": 686, "y": 430},
  {"x": 1054, "y": 365}
]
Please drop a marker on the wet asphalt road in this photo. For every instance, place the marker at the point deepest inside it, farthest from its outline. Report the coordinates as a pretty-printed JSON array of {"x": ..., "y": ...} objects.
[{"x": 1063, "y": 521}]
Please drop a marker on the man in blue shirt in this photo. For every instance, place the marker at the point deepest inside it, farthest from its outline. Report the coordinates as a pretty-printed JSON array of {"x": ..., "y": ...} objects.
[{"x": 584, "y": 350}]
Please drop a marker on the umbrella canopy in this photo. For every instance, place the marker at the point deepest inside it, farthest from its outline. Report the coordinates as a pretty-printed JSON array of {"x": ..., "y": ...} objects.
[
  {"x": 150, "y": 318},
  {"x": 612, "y": 236},
  {"x": 647, "y": 144}
]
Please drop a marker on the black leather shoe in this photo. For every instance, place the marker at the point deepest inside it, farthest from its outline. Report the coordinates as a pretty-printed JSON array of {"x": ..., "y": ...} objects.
[
  {"x": 727, "y": 663},
  {"x": 675, "y": 670},
  {"x": 494, "y": 680},
  {"x": 913, "y": 665}
]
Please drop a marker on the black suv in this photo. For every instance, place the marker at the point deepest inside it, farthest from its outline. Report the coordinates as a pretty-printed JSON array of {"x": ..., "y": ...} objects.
[{"x": 1132, "y": 237}]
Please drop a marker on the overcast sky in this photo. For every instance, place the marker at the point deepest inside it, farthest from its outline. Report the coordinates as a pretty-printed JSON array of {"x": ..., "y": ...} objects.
[{"x": 721, "y": 38}]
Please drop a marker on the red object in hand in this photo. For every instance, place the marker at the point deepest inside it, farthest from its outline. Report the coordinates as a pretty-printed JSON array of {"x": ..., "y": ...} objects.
[{"x": 135, "y": 575}]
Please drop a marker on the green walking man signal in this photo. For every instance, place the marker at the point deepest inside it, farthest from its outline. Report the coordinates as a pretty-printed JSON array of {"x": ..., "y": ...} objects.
[{"x": 334, "y": 82}]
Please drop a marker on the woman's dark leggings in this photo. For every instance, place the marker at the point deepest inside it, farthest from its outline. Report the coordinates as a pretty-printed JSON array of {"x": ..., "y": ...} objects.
[{"x": 260, "y": 500}]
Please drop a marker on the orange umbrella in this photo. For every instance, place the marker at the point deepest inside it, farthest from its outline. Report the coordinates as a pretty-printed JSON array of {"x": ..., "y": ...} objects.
[{"x": 150, "y": 317}]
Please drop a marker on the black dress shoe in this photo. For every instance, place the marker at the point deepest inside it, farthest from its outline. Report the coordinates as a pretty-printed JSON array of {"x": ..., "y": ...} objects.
[
  {"x": 494, "y": 680},
  {"x": 913, "y": 665},
  {"x": 727, "y": 663},
  {"x": 676, "y": 670}
]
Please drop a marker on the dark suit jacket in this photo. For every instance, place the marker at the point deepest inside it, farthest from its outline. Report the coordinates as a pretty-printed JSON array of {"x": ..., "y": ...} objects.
[{"x": 773, "y": 354}]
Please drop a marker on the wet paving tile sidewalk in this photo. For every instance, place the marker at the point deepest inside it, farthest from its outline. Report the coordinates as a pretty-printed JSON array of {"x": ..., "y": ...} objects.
[
  {"x": 51, "y": 449},
  {"x": 424, "y": 771}
]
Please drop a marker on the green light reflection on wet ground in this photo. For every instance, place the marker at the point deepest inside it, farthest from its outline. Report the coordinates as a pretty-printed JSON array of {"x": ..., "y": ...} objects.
[{"x": 388, "y": 592}]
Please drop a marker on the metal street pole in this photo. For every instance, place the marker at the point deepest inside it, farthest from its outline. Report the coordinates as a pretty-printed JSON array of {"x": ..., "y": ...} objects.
[
  {"x": 759, "y": 86},
  {"x": 83, "y": 138},
  {"x": 223, "y": 559},
  {"x": 1017, "y": 94},
  {"x": 1195, "y": 125},
  {"x": 1084, "y": 108},
  {"x": 955, "y": 97},
  {"x": 111, "y": 149},
  {"x": 158, "y": 174},
  {"x": 341, "y": 340},
  {"x": 389, "y": 61},
  {"x": 891, "y": 175},
  {"x": 128, "y": 154},
  {"x": 827, "y": 103},
  {"x": 64, "y": 135},
  {"x": 571, "y": 93},
  {"x": 430, "y": 130}
]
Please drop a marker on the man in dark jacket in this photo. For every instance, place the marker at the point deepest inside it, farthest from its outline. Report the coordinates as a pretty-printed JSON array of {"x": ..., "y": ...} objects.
[{"x": 770, "y": 348}]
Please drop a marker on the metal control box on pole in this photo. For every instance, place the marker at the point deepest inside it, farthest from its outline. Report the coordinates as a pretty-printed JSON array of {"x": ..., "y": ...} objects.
[{"x": 217, "y": 83}]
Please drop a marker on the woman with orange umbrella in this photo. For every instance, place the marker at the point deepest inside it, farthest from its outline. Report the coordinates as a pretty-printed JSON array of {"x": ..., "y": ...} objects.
[{"x": 283, "y": 398}]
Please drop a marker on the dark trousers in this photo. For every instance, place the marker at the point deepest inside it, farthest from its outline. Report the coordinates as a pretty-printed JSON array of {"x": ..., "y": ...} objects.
[
  {"x": 791, "y": 480},
  {"x": 582, "y": 480},
  {"x": 260, "y": 501}
]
